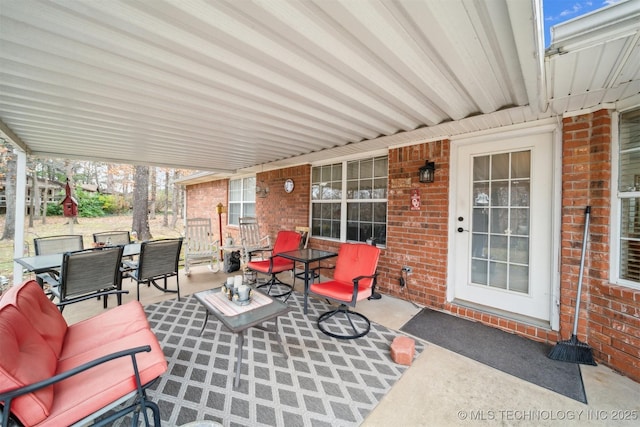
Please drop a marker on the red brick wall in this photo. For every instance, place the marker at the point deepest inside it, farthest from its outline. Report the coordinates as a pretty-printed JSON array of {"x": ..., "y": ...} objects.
[
  {"x": 609, "y": 314},
  {"x": 281, "y": 210},
  {"x": 417, "y": 239},
  {"x": 202, "y": 200}
]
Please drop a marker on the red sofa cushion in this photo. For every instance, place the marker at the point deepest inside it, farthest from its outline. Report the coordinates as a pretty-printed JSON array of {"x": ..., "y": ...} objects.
[
  {"x": 86, "y": 393},
  {"x": 43, "y": 315},
  {"x": 104, "y": 328},
  {"x": 25, "y": 358}
]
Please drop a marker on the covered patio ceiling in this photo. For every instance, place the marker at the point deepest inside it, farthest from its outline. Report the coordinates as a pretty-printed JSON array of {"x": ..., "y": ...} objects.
[{"x": 240, "y": 86}]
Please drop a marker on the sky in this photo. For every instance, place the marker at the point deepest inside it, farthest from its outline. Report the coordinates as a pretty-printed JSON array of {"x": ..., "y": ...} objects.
[{"x": 557, "y": 11}]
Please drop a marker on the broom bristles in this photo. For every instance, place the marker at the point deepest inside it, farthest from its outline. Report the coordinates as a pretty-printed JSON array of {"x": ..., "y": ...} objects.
[{"x": 573, "y": 351}]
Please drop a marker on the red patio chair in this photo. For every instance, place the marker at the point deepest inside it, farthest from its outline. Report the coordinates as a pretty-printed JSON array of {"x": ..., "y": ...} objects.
[
  {"x": 285, "y": 241},
  {"x": 353, "y": 280}
]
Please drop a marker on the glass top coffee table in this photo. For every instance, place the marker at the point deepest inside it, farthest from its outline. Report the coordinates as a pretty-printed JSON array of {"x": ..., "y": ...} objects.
[{"x": 239, "y": 318}]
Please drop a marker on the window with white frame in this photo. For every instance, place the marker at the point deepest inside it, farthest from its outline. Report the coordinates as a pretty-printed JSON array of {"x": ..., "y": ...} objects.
[
  {"x": 242, "y": 199},
  {"x": 349, "y": 200},
  {"x": 629, "y": 196}
]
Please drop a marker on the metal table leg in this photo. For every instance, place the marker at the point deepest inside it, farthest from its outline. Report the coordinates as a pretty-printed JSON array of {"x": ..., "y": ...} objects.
[
  {"x": 306, "y": 285},
  {"x": 239, "y": 358},
  {"x": 206, "y": 317}
]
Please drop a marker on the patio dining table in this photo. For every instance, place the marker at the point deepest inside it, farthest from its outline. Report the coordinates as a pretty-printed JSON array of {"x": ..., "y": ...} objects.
[
  {"x": 307, "y": 256},
  {"x": 43, "y": 263}
]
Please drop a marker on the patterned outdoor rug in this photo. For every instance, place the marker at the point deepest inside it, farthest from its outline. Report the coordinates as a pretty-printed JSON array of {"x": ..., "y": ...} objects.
[{"x": 324, "y": 382}]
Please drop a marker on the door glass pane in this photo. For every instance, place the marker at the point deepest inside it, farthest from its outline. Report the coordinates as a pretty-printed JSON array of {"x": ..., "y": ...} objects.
[
  {"x": 519, "y": 250},
  {"x": 498, "y": 248},
  {"x": 501, "y": 220},
  {"x": 500, "y": 166},
  {"x": 479, "y": 272},
  {"x": 500, "y": 193},
  {"x": 518, "y": 278},
  {"x": 521, "y": 164},
  {"x": 481, "y": 220},
  {"x": 480, "y": 246},
  {"x": 481, "y": 168},
  {"x": 520, "y": 222},
  {"x": 498, "y": 275}
]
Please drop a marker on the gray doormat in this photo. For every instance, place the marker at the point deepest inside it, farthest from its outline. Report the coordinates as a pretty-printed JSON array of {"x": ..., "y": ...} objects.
[
  {"x": 510, "y": 353},
  {"x": 325, "y": 381}
]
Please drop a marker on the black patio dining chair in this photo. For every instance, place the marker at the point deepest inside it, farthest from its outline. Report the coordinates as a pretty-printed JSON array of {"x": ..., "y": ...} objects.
[
  {"x": 55, "y": 245},
  {"x": 89, "y": 273},
  {"x": 158, "y": 260},
  {"x": 112, "y": 237}
]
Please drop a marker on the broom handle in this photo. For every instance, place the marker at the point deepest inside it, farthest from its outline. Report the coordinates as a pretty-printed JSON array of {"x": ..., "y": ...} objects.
[{"x": 587, "y": 213}]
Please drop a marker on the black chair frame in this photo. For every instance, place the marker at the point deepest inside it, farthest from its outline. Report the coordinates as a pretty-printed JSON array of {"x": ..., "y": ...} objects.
[
  {"x": 343, "y": 308},
  {"x": 82, "y": 270},
  {"x": 158, "y": 260},
  {"x": 140, "y": 405}
]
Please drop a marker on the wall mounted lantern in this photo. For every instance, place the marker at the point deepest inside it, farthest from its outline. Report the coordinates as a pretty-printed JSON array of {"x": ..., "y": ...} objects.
[
  {"x": 427, "y": 172},
  {"x": 262, "y": 190}
]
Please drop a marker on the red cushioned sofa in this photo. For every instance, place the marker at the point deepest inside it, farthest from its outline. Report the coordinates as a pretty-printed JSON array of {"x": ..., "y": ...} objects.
[{"x": 54, "y": 374}]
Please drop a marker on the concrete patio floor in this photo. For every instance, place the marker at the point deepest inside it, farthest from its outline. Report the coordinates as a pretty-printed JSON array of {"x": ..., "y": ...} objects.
[{"x": 443, "y": 388}]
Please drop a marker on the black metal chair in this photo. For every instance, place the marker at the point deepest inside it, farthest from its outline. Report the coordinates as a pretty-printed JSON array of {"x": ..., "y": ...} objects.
[
  {"x": 55, "y": 245},
  {"x": 158, "y": 259},
  {"x": 89, "y": 273},
  {"x": 112, "y": 238}
]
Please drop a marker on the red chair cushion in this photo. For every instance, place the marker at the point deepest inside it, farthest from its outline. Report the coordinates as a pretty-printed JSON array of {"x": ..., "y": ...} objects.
[
  {"x": 86, "y": 393},
  {"x": 25, "y": 358},
  {"x": 112, "y": 325},
  {"x": 43, "y": 315},
  {"x": 356, "y": 259},
  {"x": 285, "y": 241},
  {"x": 340, "y": 291}
]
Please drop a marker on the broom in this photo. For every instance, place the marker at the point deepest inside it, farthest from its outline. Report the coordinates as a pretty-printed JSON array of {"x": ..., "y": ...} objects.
[{"x": 572, "y": 350}]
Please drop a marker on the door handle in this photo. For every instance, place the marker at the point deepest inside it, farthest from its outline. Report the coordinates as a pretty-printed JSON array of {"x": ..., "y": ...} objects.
[{"x": 460, "y": 229}]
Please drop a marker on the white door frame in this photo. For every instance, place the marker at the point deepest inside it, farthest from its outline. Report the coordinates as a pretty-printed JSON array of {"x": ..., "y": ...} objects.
[{"x": 538, "y": 127}]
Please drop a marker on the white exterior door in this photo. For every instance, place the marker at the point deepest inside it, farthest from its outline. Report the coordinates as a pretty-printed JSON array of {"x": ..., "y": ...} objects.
[{"x": 502, "y": 225}]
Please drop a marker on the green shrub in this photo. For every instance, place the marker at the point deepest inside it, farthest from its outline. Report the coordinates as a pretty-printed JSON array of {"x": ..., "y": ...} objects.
[
  {"x": 90, "y": 205},
  {"x": 54, "y": 209}
]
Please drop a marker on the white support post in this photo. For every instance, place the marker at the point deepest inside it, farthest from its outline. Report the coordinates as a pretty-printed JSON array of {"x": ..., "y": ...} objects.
[{"x": 21, "y": 196}]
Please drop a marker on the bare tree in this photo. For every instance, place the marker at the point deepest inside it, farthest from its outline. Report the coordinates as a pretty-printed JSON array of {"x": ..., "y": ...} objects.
[
  {"x": 141, "y": 203},
  {"x": 35, "y": 197},
  {"x": 46, "y": 169},
  {"x": 152, "y": 199},
  {"x": 68, "y": 168},
  {"x": 10, "y": 198},
  {"x": 165, "y": 219},
  {"x": 174, "y": 199}
]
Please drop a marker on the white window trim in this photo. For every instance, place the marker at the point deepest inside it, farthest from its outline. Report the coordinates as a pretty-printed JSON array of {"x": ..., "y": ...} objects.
[
  {"x": 236, "y": 178},
  {"x": 343, "y": 201},
  {"x": 614, "y": 232}
]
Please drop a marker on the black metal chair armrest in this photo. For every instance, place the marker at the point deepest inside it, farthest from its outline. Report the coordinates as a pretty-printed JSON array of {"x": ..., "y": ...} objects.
[
  {"x": 8, "y": 396},
  {"x": 90, "y": 296},
  {"x": 357, "y": 279}
]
